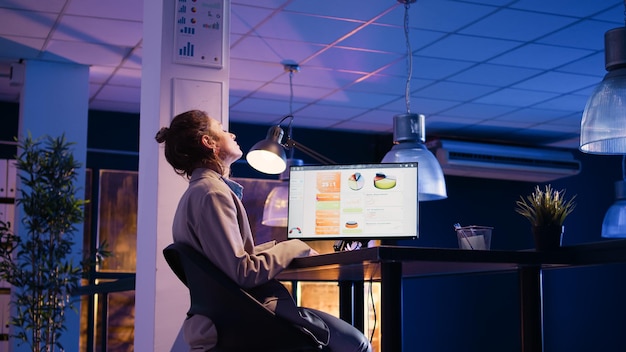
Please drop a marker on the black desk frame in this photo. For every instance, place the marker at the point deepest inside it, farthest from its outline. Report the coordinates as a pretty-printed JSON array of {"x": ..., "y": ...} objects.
[{"x": 389, "y": 265}]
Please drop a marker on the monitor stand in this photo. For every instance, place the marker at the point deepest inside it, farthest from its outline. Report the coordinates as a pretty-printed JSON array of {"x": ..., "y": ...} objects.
[{"x": 343, "y": 246}]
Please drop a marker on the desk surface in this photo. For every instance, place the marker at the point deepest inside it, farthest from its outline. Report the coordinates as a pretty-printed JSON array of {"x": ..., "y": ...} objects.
[{"x": 366, "y": 263}]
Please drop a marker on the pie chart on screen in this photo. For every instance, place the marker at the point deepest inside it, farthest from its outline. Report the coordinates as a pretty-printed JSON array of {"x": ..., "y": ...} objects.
[
  {"x": 356, "y": 181},
  {"x": 382, "y": 181}
]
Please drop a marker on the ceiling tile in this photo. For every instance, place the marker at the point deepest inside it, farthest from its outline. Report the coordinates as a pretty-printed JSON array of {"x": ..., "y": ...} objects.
[
  {"x": 348, "y": 9},
  {"x": 453, "y": 91},
  {"x": 494, "y": 75},
  {"x": 276, "y": 108},
  {"x": 485, "y": 111},
  {"x": 34, "y": 5},
  {"x": 24, "y": 23},
  {"x": 300, "y": 27},
  {"x": 329, "y": 112},
  {"x": 588, "y": 65},
  {"x": 353, "y": 60},
  {"x": 126, "y": 77},
  {"x": 567, "y": 7},
  {"x": 419, "y": 105},
  {"x": 95, "y": 30},
  {"x": 428, "y": 68},
  {"x": 568, "y": 82},
  {"x": 514, "y": 25},
  {"x": 256, "y": 48},
  {"x": 584, "y": 35},
  {"x": 530, "y": 116},
  {"x": 254, "y": 70},
  {"x": 243, "y": 19},
  {"x": 540, "y": 56},
  {"x": 464, "y": 47},
  {"x": 438, "y": 15},
  {"x": 358, "y": 99},
  {"x": 389, "y": 39},
  {"x": 131, "y": 10},
  {"x": 388, "y": 84},
  {"x": 323, "y": 77},
  {"x": 516, "y": 97},
  {"x": 568, "y": 102},
  {"x": 85, "y": 53},
  {"x": 302, "y": 94}
]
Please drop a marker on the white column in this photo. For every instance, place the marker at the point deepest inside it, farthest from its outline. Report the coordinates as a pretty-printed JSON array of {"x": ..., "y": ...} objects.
[
  {"x": 174, "y": 80},
  {"x": 54, "y": 102}
]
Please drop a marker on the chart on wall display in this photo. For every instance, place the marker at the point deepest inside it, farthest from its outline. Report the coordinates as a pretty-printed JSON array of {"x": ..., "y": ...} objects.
[{"x": 199, "y": 32}]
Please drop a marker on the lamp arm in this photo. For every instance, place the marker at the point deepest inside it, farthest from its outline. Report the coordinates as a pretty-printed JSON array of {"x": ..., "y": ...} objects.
[{"x": 292, "y": 144}]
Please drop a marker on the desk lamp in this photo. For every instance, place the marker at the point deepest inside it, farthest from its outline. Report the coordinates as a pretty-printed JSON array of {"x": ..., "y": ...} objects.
[{"x": 269, "y": 156}]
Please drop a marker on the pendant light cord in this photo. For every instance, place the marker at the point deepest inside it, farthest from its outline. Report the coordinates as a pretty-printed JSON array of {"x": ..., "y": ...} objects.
[
  {"x": 409, "y": 58},
  {"x": 291, "y": 71}
]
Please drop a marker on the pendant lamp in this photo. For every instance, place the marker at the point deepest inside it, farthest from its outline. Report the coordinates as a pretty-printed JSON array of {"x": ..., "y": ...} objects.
[
  {"x": 603, "y": 125},
  {"x": 614, "y": 224},
  {"x": 409, "y": 135}
]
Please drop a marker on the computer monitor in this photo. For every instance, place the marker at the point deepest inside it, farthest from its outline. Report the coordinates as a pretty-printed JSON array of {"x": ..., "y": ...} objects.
[{"x": 353, "y": 202}]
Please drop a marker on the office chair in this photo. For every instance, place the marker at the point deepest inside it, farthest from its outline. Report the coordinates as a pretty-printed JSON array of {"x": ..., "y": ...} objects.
[{"x": 242, "y": 322}]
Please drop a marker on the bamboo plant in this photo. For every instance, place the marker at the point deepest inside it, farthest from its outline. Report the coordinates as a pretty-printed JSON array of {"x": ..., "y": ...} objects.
[{"x": 38, "y": 263}]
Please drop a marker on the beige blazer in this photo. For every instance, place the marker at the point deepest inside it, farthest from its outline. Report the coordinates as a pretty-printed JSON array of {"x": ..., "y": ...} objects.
[{"x": 211, "y": 218}]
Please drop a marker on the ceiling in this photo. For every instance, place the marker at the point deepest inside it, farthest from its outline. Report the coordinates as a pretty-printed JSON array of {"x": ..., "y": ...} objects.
[{"x": 511, "y": 71}]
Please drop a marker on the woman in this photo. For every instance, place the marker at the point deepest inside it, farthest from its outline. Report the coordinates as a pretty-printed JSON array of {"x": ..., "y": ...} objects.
[{"x": 211, "y": 218}]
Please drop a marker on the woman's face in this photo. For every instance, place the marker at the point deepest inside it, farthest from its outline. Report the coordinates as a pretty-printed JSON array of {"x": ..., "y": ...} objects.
[{"x": 225, "y": 145}]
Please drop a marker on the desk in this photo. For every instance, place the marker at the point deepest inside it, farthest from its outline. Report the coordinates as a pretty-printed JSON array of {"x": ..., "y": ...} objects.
[{"x": 390, "y": 264}]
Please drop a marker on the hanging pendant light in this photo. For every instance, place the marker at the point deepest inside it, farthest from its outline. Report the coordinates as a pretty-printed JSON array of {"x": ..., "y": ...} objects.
[
  {"x": 409, "y": 135},
  {"x": 614, "y": 223},
  {"x": 408, "y": 132},
  {"x": 603, "y": 125}
]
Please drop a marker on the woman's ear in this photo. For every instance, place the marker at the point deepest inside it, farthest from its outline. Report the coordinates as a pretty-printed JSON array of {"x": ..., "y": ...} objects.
[{"x": 208, "y": 142}]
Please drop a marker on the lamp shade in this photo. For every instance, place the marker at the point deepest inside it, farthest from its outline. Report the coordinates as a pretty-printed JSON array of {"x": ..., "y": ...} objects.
[
  {"x": 614, "y": 224},
  {"x": 409, "y": 138},
  {"x": 603, "y": 125},
  {"x": 276, "y": 207},
  {"x": 268, "y": 156}
]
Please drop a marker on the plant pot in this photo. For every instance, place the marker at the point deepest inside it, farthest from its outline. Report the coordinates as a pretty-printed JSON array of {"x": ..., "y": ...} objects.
[{"x": 548, "y": 237}]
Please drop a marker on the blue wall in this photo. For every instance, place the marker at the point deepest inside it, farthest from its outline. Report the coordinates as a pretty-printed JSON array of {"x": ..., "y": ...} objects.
[{"x": 584, "y": 307}]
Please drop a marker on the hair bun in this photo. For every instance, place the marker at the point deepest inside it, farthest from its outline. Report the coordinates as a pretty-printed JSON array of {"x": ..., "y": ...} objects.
[{"x": 161, "y": 136}]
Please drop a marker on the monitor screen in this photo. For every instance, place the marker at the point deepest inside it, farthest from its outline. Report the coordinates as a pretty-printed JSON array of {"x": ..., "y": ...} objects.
[{"x": 353, "y": 202}]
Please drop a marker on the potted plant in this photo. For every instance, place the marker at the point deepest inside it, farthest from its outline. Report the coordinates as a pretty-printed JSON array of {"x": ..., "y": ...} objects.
[
  {"x": 38, "y": 262},
  {"x": 546, "y": 209}
]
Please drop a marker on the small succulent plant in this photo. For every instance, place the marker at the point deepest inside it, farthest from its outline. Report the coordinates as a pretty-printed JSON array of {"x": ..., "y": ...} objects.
[{"x": 546, "y": 207}]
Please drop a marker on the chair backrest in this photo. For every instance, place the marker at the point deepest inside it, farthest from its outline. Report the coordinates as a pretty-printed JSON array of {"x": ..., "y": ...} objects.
[{"x": 243, "y": 324}]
